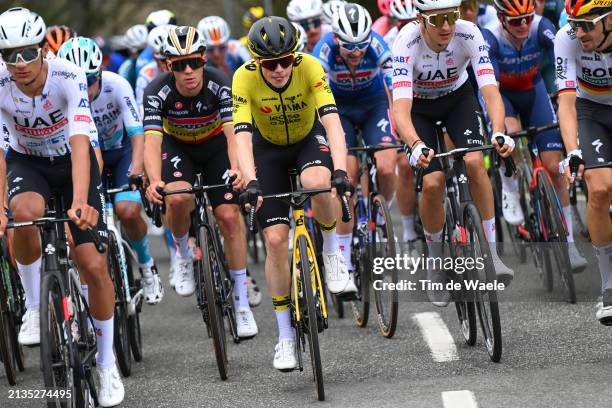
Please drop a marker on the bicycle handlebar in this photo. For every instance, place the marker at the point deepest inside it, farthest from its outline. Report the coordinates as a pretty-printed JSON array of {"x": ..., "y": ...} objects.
[{"x": 533, "y": 130}]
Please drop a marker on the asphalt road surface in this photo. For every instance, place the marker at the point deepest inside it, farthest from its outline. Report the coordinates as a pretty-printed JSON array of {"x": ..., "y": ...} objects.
[{"x": 554, "y": 355}]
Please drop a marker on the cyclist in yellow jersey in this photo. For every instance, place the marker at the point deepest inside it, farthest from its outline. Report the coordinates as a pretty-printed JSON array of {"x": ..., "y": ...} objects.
[{"x": 285, "y": 117}]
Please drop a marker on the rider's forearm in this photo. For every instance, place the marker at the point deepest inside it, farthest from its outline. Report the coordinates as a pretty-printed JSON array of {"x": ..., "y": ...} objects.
[
  {"x": 3, "y": 195},
  {"x": 244, "y": 153},
  {"x": 99, "y": 159},
  {"x": 79, "y": 145},
  {"x": 495, "y": 107},
  {"x": 232, "y": 149},
  {"x": 335, "y": 137},
  {"x": 568, "y": 121},
  {"x": 152, "y": 158},
  {"x": 403, "y": 121},
  {"x": 137, "y": 154}
]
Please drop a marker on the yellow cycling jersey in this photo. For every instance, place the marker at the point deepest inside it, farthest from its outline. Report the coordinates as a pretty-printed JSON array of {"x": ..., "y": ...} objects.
[{"x": 282, "y": 116}]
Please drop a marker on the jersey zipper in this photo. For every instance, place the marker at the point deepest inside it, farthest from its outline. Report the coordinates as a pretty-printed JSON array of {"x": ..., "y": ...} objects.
[{"x": 280, "y": 95}]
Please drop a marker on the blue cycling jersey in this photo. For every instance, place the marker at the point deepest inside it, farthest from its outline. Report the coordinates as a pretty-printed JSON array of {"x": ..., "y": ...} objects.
[
  {"x": 116, "y": 59},
  {"x": 373, "y": 73},
  {"x": 519, "y": 70},
  {"x": 144, "y": 58}
]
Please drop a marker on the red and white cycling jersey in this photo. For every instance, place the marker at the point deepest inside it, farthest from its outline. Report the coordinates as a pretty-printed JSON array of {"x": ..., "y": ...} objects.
[
  {"x": 43, "y": 125},
  {"x": 420, "y": 72},
  {"x": 588, "y": 74}
]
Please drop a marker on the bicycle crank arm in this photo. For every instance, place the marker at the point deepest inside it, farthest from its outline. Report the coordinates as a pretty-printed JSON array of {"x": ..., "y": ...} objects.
[{"x": 134, "y": 301}]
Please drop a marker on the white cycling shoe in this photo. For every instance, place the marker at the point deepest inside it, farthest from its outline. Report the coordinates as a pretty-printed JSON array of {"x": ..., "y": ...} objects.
[
  {"x": 245, "y": 323},
  {"x": 152, "y": 286},
  {"x": 337, "y": 276},
  {"x": 577, "y": 261},
  {"x": 284, "y": 355},
  {"x": 511, "y": 207},
  {"x": 253, "y": 292},
  {"x": 29, "y": 334},
  {"x": 110, "y": 390},
  {"x": 184, "y": 282}
]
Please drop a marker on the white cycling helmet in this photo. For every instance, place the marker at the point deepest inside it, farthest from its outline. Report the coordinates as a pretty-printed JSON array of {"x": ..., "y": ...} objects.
[
  {"x": 298, "y": 10},
  {"x": 184, "y": 40},
  {"x": 157, "y": 38},
  {"x": 136, "y": 36},
  {"x": 402, "y": 10},
  {"x": 426, "y": 5},
  {"x": 215, "y": 30},
  {"x": 330, "y": 8},
  {"x": 302, "y": 37},
  {"x": 20, "y": 27},
  {"x": 83, "y": 52},
  {"x": 352, "y": 23},
  {"x": 160, "y": 18}
]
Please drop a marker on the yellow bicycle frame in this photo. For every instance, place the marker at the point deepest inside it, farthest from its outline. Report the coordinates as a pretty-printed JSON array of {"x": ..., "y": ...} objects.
[{"x": 315, "y": 277}]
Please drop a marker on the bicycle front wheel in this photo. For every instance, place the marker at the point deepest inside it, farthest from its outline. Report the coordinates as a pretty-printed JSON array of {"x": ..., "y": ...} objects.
[
  {"x": 121, "y": 331},
  {"x": 486, "y": 299},
  {"x": 134, "y": 319},
  {"x": 383, "y": 245},
  {"x": 310, "y": 315},
  {"x": 6, "y": 344},
  {"x": 213, "y": 301},
  {"x": 360, "y": 259}
]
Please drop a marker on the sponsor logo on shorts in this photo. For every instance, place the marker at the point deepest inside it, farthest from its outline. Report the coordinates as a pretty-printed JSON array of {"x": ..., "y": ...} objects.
[
  {"x": 228, "y": 196},
  {"x": 177, "y": 174},
  {"x": 276, "y": 219}
]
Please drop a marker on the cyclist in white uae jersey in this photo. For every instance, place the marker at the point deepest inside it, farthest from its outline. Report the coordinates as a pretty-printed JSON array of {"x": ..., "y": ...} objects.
[
  {"x": 47, "y": 108},
  {"x": 583, "y": 54},
  {"x": 430, "y": 84}
]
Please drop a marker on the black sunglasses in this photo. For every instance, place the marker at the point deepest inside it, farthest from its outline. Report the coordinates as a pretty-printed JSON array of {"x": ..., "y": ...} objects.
[
  {"x": 181, "y": 65},
  {"x": 310, "y": 23},
  {"x": 271, "y": 64}
]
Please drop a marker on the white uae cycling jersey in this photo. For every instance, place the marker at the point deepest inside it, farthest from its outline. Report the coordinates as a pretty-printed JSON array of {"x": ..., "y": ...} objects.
[
  {"x": 43, "y": 125},
  {"x": 588, "y": 74},
  {"x": 420, "y": 72}
]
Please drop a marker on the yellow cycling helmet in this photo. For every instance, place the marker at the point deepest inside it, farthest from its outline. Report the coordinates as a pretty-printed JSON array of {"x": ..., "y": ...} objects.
[{"x": 252, "y": 15}]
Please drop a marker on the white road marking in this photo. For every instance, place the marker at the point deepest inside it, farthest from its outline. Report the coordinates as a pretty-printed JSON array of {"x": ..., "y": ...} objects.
[
  {"x": 437, "y": 336},
  {"x": 459, "y": 399}
]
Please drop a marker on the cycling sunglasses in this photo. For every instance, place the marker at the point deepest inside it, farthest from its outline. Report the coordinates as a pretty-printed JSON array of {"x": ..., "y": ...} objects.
[
  {"x": 217, "y": 49},
  {"x": 11, "y": 57},
  {"x": 311, "y": 23},
  {"x": 350, "y": 47},
  {"x": 181, "y": 64},
  {"x": 437, "y": 20},
  {"x": 92, "y": 78},
  {"x": 586, "y": 25},
  {"x": 520, "y": 20},
  {"x": 469, "y": 5},
  {"x": 271, "y": 64}
]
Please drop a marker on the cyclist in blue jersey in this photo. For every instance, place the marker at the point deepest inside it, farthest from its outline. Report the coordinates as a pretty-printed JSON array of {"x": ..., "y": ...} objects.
[
  {"x": 154, "y": 19},
  {"x": 517, "y": 43},
  {"x": 222, "y": 52},
  {"x": 358, "y": 64},
  {"x": 136, "y": 39}
]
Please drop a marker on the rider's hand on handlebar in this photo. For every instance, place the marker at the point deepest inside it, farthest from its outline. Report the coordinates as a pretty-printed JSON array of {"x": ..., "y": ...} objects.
[
  {"x": 88, "y": 215},
  {"x": 507, "y": 147},
  {"x": 251, "y": 196},
  {"x": 416, "y": 157},
  {"x": 341, "y": 185},
  {"x": 238, "y": 183},
  {"x": 568, "y": 167},
  {"x": 152, "y": 194}
]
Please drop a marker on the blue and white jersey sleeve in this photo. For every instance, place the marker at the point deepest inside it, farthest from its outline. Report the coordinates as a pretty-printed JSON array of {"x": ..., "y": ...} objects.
[{"x": 127, "y": 104}]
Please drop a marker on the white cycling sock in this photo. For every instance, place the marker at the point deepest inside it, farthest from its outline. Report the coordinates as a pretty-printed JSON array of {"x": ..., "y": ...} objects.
[
  {"x": 30, "y": 280},
  {"x": 182, "y": 245},
  {"x": 344, "y": 242},
  {"x": 567, "y": 213},
  {"x": 509, "y": 184},
  {"x": 330, "y": 239},
  {"x": 434, "y": 243},
  {"x": 408, "y": 224},
  {"x": 282, "y": 310},
  {"x": 239, "y": 277},
  {"x": 604, "y": 260},
  {"x": 105, "y": 357},
  {"x": 489, "y": 229}
]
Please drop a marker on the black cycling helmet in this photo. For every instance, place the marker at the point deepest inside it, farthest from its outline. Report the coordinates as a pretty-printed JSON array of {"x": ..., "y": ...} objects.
[{"x": 272, "y": 37}]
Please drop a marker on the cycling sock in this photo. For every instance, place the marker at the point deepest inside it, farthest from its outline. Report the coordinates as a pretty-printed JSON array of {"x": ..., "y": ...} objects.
[
  {"x": 30, "y": 280},
  {"x": 434, "y": 243},
  {"x": 604, "y": 260},
  {"x": 105, "y": 357},
  {"x": 330, "y": 240},
  {"x": 344, "y": 242},
  {"x": 182, "y": 245},
  {"x": 567, "y": 214},
  {"x": 141, "y": 247},
  {"x": 85, "y": 290},
  {"x": 239, "y": 278},
  {"x": 408, "y": 224},
  {"x": 169, "y": 240},
  {"x": 489, "y": 229},
  {"x": 509, "y": 184},
  {"x": 283, "y": 317}
]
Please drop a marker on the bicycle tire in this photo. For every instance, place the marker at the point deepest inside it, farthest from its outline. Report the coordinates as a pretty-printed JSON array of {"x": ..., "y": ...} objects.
[
  {"x": 215, "y": 311},
  {"x": 387, "y": 309},
  {"x": 486, "y": 301},
  {"x": 360, "y": 258},
  {"x": 53, "y": 346},
  {"x": 556, "y": 231},
  {"x": 311, "y": 314},
  {"x": 121, "y": 337},
  {"x": 6, "y": 344},
  {"x": 134, "y": 330},
  {"x": 17, "y": 314}
]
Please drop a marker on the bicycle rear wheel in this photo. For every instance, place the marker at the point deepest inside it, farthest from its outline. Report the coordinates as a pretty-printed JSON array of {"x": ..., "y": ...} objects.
[
  {"x": 213, "y": 301},
  {"x": 16, "y": 317},
  {"x": 383, "y": 243},
  {"x": 120, "y": 321},
  {"x": 307, "y": 257},
  {"x": 362, "y": 270},
  {"x": 486, "y": 300},
  {"x": 6, "y": 344},
  {"x": 134, "y": 320},
  {"x": 55, "y": 350}
]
